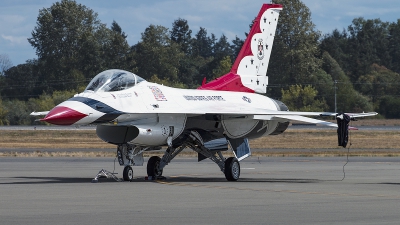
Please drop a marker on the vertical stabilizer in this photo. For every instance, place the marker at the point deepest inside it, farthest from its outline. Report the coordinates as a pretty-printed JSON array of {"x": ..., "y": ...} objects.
[{"x": 249, "y": 72}]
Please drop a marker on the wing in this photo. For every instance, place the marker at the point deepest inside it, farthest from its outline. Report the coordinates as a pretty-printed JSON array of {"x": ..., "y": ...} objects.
[
  {"x": 300, "y": 116},
  {"x": 294, "y": 117},
  {"x": 285, "y": 116},
  {"x": 234, "y": 110},
  {"x": 39, "y": 113}
]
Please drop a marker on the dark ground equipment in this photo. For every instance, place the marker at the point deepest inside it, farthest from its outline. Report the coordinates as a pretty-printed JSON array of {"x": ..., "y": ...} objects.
[{"x": 343, "y": 121}]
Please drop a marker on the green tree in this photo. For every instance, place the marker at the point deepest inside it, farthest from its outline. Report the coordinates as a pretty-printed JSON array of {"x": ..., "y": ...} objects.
[
  {"x": 5, "y": 63},
  {"x": 222, "y": 48},
  {"x": 368, "y": 44},
  {"x": 182, "y": 35},
  {"x": 221, "y": 58},
  {"x": 46, "y": 101},
  {"x": 299, "y": 98},
  {"x": 203, "y": 44},
  {"x": 73, "y": 45},
  {"x": 348, "y": 99},
  {"x": 323, "y": 83},
  {"x": 117, "y": 28},
  {"x": 22, "y": 81},
  {"x": 394, "y": 45},
  {"x": 3, "y": 114},
  {"x": 223, "y": 67},
  {"x": 295, "y": 48},
  {"x": 157, "y": 55},
  {"x": 337, "y": 44},
  {"x": 188, "y": 69},
  {"x": 167, "y": 82},
  {"x": 114, "y": 47},
  {"x": 17, "y": 112},
  {"x": 237, "y": 44},
  {"x": 379, "y": 82},
  {"x": 389, "y": 106}
]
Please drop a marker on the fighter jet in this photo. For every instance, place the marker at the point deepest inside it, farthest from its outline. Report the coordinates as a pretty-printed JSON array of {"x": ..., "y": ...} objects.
[{"x": 139, "y": 116}]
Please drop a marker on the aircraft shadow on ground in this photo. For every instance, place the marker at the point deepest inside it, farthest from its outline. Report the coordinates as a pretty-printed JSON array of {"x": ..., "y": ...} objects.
[
  {"x": 244, "y": 180},
  {"x": 391, "y": 183},
  {"x": 50, "y": 180},
  {"x": 205, "y": 180}
]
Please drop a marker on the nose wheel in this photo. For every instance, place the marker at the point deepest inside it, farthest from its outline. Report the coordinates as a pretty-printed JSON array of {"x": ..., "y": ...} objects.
[{"x": 128, "y": 173}]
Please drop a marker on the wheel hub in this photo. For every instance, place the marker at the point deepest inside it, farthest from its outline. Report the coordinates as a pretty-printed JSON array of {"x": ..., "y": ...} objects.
[{"x": 235, "y": 170}]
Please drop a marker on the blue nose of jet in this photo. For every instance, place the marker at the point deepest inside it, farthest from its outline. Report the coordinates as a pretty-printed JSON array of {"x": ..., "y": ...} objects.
[{"x": 62, "y": 115}]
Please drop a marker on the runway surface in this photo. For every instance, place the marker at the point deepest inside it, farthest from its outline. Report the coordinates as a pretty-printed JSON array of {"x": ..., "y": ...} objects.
[{"x": 270, "y": 191}]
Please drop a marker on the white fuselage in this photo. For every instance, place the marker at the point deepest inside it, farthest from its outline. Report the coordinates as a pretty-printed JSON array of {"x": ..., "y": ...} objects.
[
  {"x": 149, "y": 98},
  {"x": 159, "y": 111}
]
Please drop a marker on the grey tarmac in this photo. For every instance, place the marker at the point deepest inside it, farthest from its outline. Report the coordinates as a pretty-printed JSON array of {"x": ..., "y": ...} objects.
[{"x": 273, "y": 190}]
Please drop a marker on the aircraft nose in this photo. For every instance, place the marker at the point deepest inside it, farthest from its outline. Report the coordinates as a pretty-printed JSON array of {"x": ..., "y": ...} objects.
[{"x": 61, "y": 115}]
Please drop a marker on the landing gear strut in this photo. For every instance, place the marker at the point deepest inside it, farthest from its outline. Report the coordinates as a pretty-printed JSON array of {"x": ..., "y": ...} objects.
[
  {"x": 130, "y": 155},
  {"x": 193, "y": 140}
]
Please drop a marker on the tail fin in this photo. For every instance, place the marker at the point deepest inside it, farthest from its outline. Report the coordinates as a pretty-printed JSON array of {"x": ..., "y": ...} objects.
[{"x": 249, "y": 72}]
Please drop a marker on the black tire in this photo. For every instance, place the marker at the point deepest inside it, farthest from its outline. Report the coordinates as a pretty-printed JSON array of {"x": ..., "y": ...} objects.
[
  {"x": 232, "y": 169},
  {"x": 128, "y": 173},
  {"x": 153, "y": 168}
]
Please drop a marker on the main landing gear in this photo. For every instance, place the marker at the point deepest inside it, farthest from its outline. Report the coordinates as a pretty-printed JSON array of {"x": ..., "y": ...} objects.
[
  {"x": 131, "y": 155},
  {"x": 153, "y": 167},
  {"x": 230, "y": 166},
  {"x": 232, "y": 169}
]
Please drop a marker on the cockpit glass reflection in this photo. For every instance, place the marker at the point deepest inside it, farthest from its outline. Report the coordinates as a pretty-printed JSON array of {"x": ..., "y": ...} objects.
[{"x": 113, "y": 80}]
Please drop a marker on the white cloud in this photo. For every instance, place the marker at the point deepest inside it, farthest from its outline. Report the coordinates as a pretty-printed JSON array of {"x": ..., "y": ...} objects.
[
  {"x": 366, "y": 11},
  {"x": 229, "y": 34},
  {"x": 15, "y": 40},
  {"x": 12, "y": 19}
]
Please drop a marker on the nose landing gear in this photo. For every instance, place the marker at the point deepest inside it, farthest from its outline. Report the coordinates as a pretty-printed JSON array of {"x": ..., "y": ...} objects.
[{"x": 128, "y": 173}]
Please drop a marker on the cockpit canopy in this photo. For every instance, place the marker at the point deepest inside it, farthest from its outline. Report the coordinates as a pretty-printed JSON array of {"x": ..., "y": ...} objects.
[{"x": 113, "y": 80}]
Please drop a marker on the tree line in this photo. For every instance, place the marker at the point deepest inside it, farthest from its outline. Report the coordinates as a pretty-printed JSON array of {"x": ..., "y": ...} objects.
[{"x": 360, "y": 64}]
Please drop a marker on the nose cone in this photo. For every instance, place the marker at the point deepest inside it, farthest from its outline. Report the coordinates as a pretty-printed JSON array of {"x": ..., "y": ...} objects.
[{"x": 62, "y": 115}]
